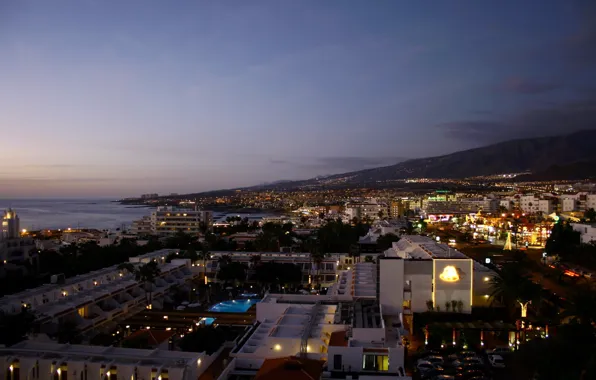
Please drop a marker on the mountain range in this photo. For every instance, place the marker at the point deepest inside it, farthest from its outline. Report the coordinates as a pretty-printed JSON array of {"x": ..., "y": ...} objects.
[{"x": 571, "y": 156}]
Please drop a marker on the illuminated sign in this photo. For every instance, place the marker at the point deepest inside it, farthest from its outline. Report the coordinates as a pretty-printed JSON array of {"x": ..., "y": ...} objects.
[{"x": 449, "y": 274}]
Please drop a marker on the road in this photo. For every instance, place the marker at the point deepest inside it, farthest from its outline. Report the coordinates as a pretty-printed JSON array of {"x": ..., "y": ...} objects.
[{"x": 538, "y": 272}]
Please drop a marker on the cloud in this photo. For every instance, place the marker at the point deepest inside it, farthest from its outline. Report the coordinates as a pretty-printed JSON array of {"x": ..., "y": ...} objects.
[
  {"x": 527, "y": 86},
  {"x": 546, "y": 120},
  {"x": 579, "y": 48}
]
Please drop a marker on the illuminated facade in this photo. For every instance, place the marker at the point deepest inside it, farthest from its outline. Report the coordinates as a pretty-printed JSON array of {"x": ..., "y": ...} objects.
[
  {"x": 168, "y": 220},
  {"x": 13, "y": 247},
  {"x": 417, "y": 273},
  {"x": 10, "y": 225}
]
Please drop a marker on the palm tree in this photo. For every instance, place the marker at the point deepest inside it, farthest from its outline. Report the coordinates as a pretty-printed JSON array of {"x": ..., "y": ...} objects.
[
  {"x": 255, "y": 260},
  {"x": 513, "y": 287},
  {"x": 582, "y": 306},
  {"x": 129, "y": 267},
  {"x": 191, "y": 254},
  {"x": 354, "y": 251},
  {"x": 317, "y": 258},
  {"x": 147, "y": 274},
  {"x": 222, "y": 262},
  {"x": 204, "y": 255}
]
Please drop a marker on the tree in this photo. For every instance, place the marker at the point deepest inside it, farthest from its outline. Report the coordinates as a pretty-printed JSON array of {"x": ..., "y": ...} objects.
[
  {"x": 68, "y": 333},
  {"x": 15, "y": 327},
  {"x": 590, "y": 215},
  {"x": 429, "y": 305},
  {"x": 569, "y": 354},
  {"x": 180, "y": 240},
  {"x": 233, "y": 272},
  {"x": 369, "y": 259},
  {"x": 562, "y": 240},
  {"x": 129, "y": 267},
  {"x": 222, "y": 262},
  {"x": 511, "y": 287},
  {"x": 147, "y": 273},
  {"x": 582, "y": 306},
  {"x": 255, "y": 260},
  {"x": 204, "y": 254},
  {"x": 205, "y": 339},
  {"x": 384, "y": 242},
  {"x": 355, "y": 252},
  {"x": 271, "y": 273}
]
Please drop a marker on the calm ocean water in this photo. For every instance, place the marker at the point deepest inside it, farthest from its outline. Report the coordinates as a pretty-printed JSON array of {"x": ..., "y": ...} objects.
[{"x": 75, "y": 213}]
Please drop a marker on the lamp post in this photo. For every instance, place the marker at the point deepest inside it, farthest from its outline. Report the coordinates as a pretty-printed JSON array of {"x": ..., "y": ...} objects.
[{"x": 524, "y": 308}]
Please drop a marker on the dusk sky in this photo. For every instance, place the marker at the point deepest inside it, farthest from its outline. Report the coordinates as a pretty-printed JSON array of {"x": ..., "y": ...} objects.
[{"x": 121, "y": 97}]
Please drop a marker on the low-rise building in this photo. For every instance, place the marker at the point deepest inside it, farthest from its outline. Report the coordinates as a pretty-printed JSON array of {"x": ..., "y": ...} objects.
[
  {"x": 142, "y": 227},
  {"x": 418, "y": 274},
  {"x": 365, "y": 209},
  {"x": 327, "y": 270},
  {"x": 93, "y": 299},
  {"x": 532, "y": 204},
  {"x": 587, "y": 232},
  {"x": 351, "y": 334},
  {"x": 36, "y": 360}
]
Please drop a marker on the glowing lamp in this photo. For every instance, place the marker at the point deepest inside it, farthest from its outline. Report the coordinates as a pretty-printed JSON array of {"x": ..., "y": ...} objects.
[{"x": 449, "y": 274}]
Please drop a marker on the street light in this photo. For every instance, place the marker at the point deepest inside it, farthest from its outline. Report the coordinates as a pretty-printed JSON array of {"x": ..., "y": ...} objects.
[{"x": 524, "y": 308}]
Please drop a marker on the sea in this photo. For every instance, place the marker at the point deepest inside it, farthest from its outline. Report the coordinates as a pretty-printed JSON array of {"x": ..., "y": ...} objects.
[{"x": 36, "y": 214}]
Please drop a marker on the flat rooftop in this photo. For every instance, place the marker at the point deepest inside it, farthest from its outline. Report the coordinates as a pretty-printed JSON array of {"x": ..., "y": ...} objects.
[
  {"x": 366, "y": 314},
  {"x": 103, "y": 354}
]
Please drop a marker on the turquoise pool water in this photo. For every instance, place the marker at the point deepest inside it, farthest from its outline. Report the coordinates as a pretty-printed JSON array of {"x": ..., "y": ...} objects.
[{"x": 234, "y": 306}]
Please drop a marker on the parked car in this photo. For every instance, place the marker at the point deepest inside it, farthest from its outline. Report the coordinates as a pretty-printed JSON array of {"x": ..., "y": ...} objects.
[
  {"x": 501, "y": 350},
  {"x": 462, "y": 354},
  {"x": 468, "y": 360},
  {"x": 471, "y": 367},
  {"x": 432, "y": 374},
  {"x": 435, "y": 359},
  {"x": 467, "y": 375},
  {"x": 423, "y": 366},
  {"x": 496, "y": 361}
]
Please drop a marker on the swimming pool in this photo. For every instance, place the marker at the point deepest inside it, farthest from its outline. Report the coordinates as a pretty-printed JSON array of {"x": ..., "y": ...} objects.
[{"x": 234, "y": 306}]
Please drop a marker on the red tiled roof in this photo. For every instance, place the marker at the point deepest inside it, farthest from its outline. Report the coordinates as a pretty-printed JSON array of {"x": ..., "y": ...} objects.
[
  {"x": 290, "y": 368},
  {"x": 338, "y": 338}
]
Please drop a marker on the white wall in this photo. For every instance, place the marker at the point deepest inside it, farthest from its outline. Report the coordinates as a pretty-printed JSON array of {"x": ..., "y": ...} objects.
[
  {"x": 588, "y": 233},
  {"x": 391, "y": 286},
  {"x": 351, "y": 357},
  {"x": 460, "y": 290},
  {"x": 368, "y": 334},
  {"x": 270, "y": 310},
  {"x": 396, "y": 359}
]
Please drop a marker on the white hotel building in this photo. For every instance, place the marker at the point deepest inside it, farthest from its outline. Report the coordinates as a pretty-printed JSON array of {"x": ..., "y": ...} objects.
[
  {"x": 168, "y": 220},
  {"x": 92, "y": 300},
  {"x": 354, "y": 331},
  {"x": 417, "y": 269}
]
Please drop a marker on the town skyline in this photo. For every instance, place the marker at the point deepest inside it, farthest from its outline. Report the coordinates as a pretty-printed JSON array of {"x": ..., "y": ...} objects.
[{"x": 106, "y": 99}]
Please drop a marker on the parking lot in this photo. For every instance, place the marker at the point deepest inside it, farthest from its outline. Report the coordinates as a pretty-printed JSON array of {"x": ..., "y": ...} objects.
[{"x": 450, "y": 364}]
